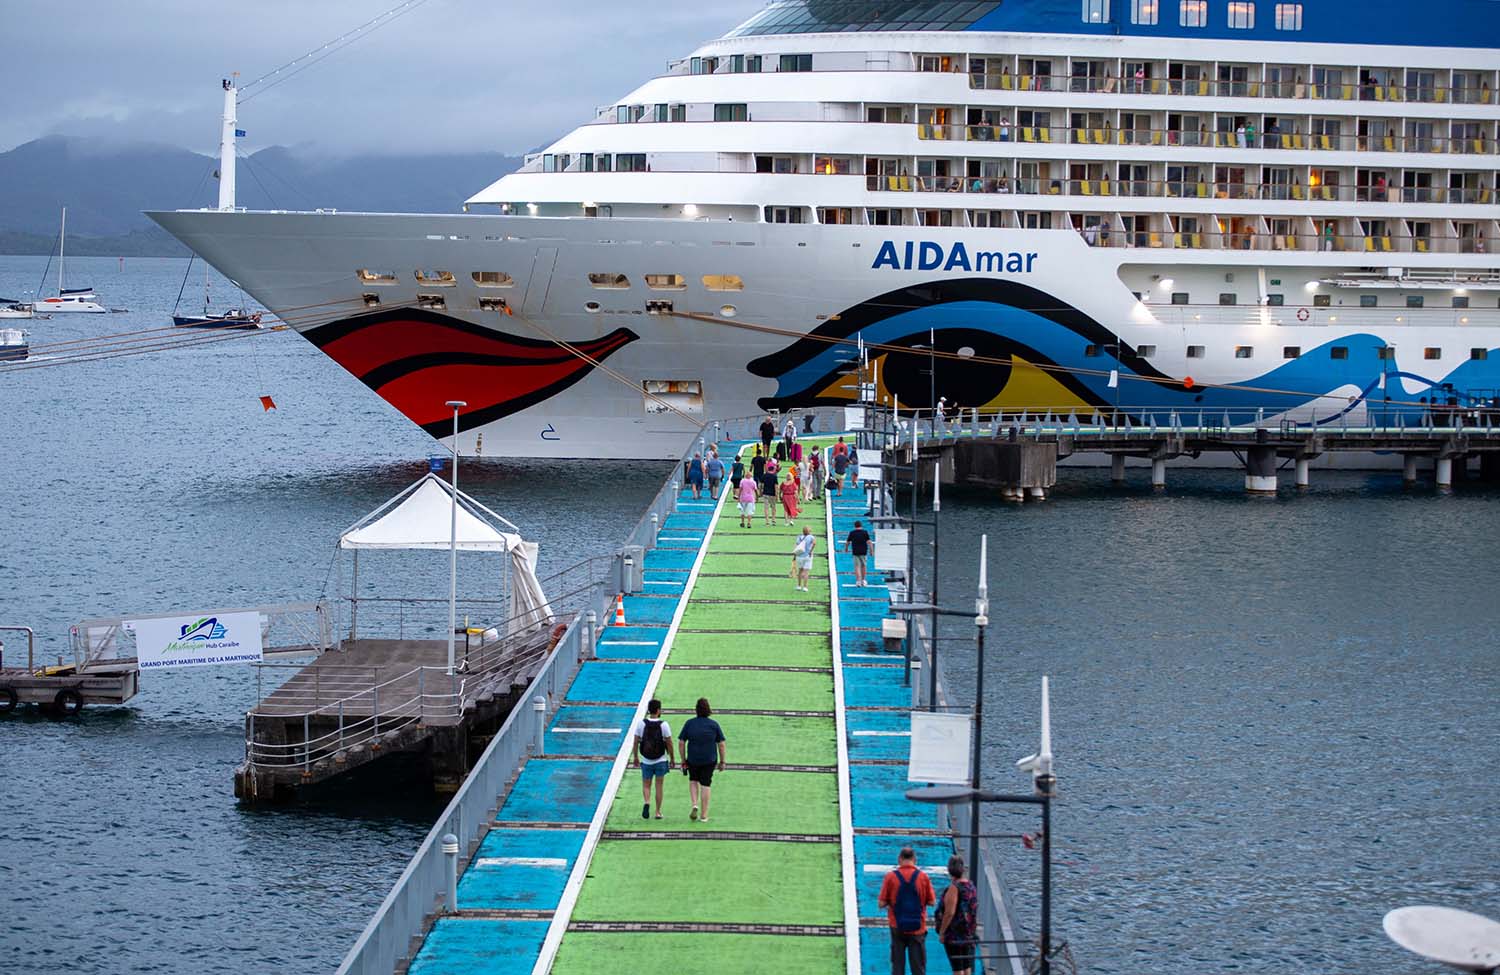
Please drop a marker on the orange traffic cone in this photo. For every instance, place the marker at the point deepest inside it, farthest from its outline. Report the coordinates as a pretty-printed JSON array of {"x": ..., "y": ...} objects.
[{"x": 620, "y": 611}]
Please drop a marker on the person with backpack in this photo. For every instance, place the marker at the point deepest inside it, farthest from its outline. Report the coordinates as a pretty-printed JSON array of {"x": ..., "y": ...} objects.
[
  {"x": 840, "y": 467},
  {"x": 905, "y": 895},
  {"x": 957, "y": 918},
  {"x": 654, "y": 753}
]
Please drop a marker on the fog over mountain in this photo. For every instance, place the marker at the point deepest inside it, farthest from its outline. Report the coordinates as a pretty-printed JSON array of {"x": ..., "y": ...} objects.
[{"x": 106, "y": 185}]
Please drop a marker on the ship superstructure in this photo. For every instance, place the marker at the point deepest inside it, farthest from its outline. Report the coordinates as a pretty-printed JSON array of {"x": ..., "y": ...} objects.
[{"x": 1132, "y": 205}]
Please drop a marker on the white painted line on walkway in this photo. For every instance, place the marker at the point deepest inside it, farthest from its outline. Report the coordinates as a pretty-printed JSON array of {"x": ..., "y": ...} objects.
[
  {"x": 881, "y": 734},
  {"x": 888, "y": 867},
  {"x": 553, "y": 862},
  {"x": 629, "y": 643},
  {"x": 852, "y": 964},
  {"x": 872, "y": 656},
  {"x": 587, "y": 731}
]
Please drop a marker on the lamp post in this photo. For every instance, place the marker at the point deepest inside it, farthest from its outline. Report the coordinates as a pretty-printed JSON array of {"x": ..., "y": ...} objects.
[
  {"x": 455, "y": 405},
  {"x": 1044, "y": 790}
]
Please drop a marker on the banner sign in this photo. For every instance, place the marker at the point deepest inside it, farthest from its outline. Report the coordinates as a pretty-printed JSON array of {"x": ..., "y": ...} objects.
[
  {"x": 939, "y": 748},
  {"x": 197, "y": 641},
  {"x": 890, "y": 550}
]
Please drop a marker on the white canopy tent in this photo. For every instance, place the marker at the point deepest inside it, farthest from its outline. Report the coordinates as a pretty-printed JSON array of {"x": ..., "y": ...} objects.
[{"x": 420, "y": 517}]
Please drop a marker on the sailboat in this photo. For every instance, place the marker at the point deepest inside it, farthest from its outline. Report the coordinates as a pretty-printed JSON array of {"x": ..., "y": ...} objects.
[
  {"x": 233, "y": 318},
  {"x": 11, "y": 308},
  {"x": 68, "y": 300}
]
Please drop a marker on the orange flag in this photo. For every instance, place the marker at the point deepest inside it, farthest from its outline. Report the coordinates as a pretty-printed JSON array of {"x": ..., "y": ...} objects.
[{"x": 267, "y": 403}]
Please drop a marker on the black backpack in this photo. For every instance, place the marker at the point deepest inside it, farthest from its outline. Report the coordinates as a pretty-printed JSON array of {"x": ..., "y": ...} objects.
[{"x": 653, "y": 745}]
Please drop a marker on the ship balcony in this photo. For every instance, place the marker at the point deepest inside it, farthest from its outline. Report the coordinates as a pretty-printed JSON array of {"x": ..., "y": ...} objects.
[
  {"x": 1368, "y": 90},
  {"x": 1463, "y": 143}
]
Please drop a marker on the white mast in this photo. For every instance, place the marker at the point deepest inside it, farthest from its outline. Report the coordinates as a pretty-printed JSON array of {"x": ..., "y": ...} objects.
[
  {"x": 62, "y": 244},
  {"x": 226, "y": 146}
]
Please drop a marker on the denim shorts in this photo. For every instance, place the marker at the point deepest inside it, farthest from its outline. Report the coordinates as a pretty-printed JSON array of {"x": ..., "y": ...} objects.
[{"x": 654, "y": 770}]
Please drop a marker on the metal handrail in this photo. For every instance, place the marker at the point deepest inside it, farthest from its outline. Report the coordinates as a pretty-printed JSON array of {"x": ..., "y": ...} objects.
[{"x": 30, "y": 646}]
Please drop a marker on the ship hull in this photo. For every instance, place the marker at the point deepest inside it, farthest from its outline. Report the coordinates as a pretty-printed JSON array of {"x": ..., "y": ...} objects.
[{"x": 556, "y": 365}]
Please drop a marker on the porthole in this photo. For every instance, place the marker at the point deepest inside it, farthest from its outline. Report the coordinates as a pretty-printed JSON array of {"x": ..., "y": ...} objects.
[
  {"x": 434, "y": 278},
  {"x": 967, "y": 352},
  {"x": 492, "y": 279},
  {"x": 605, "y": 279},
  {"x": 376, "y": 277},
  {"x": 666, "y": 282},
  {"x": 728, "y": 311},
  {"x": 592, "y": 307},
  {"x": 723, "y": 282}
]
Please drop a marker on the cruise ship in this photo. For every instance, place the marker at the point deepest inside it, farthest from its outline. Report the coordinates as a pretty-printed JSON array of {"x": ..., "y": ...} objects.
[{"x": 1230, "y": 207}]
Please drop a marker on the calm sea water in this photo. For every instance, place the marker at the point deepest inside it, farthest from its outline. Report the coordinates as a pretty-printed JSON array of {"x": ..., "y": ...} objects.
[{"x": 1273, "y": 719}]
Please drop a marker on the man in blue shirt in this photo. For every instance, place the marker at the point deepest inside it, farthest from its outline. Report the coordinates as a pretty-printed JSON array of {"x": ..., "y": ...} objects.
[
  {"x": 702, "y": 752},
  {"x": 715, "y": 471}
]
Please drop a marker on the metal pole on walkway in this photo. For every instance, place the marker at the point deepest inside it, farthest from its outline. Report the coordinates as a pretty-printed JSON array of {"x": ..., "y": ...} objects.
[
  {"x": 981, "y": 621},
  {"x": 932, "y": 657},
  {"x": 455, "y": 405},
  {"x": 450, "y": 853}
]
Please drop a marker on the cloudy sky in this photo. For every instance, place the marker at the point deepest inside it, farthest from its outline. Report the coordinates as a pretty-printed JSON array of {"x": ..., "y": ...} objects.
[{"x": 450, "y": 75}]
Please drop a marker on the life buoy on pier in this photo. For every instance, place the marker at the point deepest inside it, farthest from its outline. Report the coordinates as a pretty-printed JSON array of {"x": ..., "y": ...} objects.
[{"x": 1302, "y": 314}]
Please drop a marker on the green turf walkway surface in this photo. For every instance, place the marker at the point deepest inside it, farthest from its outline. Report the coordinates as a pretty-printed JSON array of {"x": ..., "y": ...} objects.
[{"x": 770, "y": 856}]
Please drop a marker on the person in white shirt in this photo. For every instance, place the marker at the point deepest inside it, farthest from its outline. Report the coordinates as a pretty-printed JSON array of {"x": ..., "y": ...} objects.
[{"x": 654, "y": 753}]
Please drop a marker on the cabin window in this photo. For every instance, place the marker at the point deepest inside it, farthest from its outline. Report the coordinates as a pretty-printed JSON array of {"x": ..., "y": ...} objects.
[
  {"x": 1195, "y": 352},
  {"x": 731, "y": 112},
  {"x": 1091, "y": 351},
  {"x": 1241, "y": 15},
  {"x": 783, "y": 214},
  {"x": 666, "y": 282},
  {"x": 440, "y": 279},
  {"x": 1338, "y": 352},
  {"x": 606, "y": 279},
  {"x": 723, "y": 282},
  {"x": 663, "y": 395},
  {"x": 1479, "y": 355},
  {"x": 376, "y": 277},
  {"x": 492, "y": 279},
  {"x": 1431, "y": 353},
  {"x": 1228, "y": 298},
  {"x": 1143, "y": 11},
  {"x": 630, "y": 162},
  {"x": 1192, "y": 13},
  {"x": 752, "y": 64},
  {"x": 1322, "y": 301},
  {"x": 1291, "y": 351},
  {"x": 1095, "y": 11},
  {"x": 1179, "y": 297},
  {"x": 1244, "y": 351},
  {"x": 1276, "y": 300},
  {"x": 796, "y": 62},
  {"x": 1385, "y": 353},
  {"x": 1460, "y": 301},
  {"x": 1145, "y": 351},
  {"x": 1368, "y": 301},
  {"x": 1289, "y": 16},
  {"x": 1414, "y": 301}
]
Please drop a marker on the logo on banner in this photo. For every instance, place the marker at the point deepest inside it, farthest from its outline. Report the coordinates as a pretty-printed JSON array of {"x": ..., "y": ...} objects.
[{"x": 198, "y": 640}]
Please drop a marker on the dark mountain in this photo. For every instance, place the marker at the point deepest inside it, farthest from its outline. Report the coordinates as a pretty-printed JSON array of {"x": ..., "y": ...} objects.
[{"x": 106, "y": 186}]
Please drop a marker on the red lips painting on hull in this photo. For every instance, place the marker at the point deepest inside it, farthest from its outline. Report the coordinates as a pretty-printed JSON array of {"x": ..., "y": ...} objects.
[{"x": 418, "y": 360}]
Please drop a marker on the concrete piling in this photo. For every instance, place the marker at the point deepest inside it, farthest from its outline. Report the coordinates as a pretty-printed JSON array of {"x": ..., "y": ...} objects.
[
  {"x": 1409, "y": 469},
  {"x": 1158, "y": 473},
  {"x": 1443, "y": 473},
  {"x": 1117, "y": 468},
  {"x": 1304, "y": 470},
  {"x": 1260, "y": 470}
]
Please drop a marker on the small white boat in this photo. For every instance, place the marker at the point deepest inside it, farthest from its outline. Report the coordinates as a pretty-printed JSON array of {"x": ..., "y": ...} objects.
[
  {"x": 15, "y": 345},
  {"x": 67, "y": 300},
  {"x": 11, "y": 308}
]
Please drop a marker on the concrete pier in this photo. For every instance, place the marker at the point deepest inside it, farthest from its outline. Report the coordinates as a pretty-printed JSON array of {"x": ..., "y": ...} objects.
[
  {"x": 1303, "y": 476},
  {"x": 1443, "y": 473},
  {"x": 1159, "y": 473},
  {"x": 1117, "y": 468},
  {"x": 1409, "y": 468}
]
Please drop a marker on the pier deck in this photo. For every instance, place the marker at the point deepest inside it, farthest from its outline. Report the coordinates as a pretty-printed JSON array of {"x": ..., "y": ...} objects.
[{"x": 805, "y": 819}]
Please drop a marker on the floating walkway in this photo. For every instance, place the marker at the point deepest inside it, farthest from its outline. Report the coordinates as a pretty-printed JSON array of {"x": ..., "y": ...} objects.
[{"x": 806, "y": 818}]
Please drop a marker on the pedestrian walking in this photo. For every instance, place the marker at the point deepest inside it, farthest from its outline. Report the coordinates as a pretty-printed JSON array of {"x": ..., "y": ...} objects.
[
  {"x": 654, "y": 753},
  {"x": 736, "y": 473},
  {"x": 957, "y": 918},
  {"x": 714, "y": 469},
  {"x": 767, "y": 434},
  {"x": 804, "y": 485},
  {"x": 758, "y": 464},
  {"x": 789, "y": 435},
  {"x": 815, "y": 474},
  {"x": 802, "y": 557},
  {"x": 748, "y": 491},
  {"x": 857, "y": 544},
  {"x": 789, "y": 495},
  {"x": 840, "y": 447},
  {"x": 695, "y": 475},
  {"x": 702, "y": 752},
  {"x": 768, "y": 491},
  {"x": 840, "y": 467},
  {"x": 905, "y": 895},
  {"x": 854, "y": 466}
]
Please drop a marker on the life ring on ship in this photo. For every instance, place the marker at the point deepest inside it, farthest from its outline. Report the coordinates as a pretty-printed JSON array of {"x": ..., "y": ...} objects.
[
  {"x": 1301, "y": 314},
  {"x": 1187, "y": 382},
  {"x": 68, "y": 701},
  {"x": 8, "y": 700}
]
